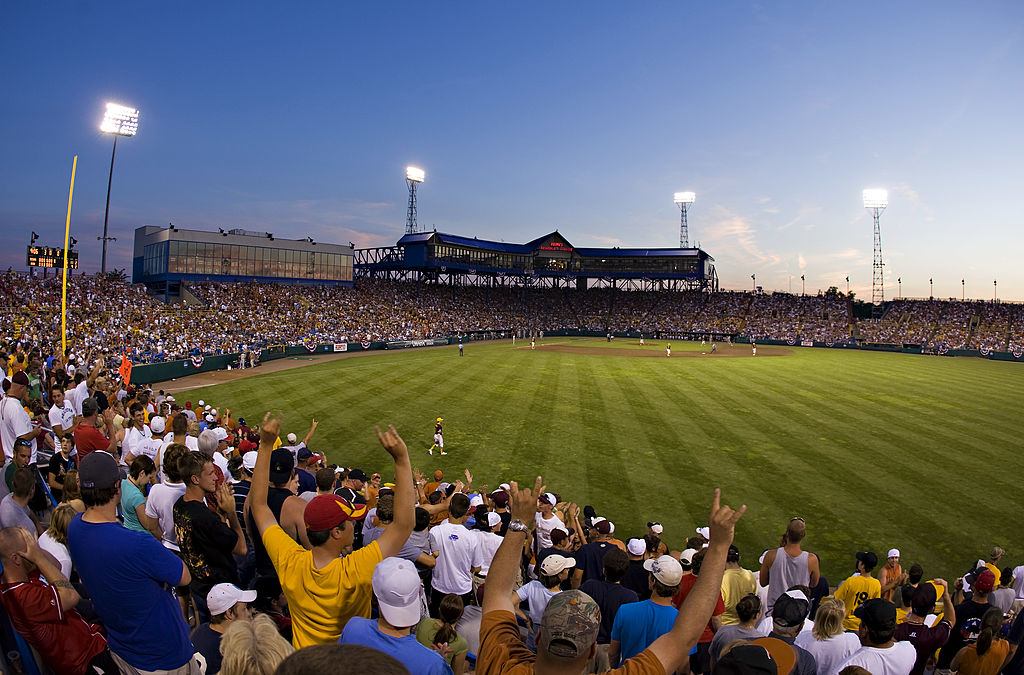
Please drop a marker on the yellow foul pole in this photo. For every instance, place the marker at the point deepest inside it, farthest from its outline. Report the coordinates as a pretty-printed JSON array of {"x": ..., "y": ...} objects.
[{"x": 64, "y": 293}]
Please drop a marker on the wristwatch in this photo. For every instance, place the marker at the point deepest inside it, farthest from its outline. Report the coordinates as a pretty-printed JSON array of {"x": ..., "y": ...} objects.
[{"x": 518, "y": 526}]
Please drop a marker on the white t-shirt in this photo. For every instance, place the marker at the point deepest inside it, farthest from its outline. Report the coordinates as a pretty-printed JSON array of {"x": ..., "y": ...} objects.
[
  {"x": 76, "y": 395},
  {"x": 160, "y": 505},
  {"x": 134, "y": 440},
  {"x": 191, "y": 442},
  {"x": 458, "y": 552},
  {"x": 65, "y": 417},
  {"x": 831, "y": 652},
  {"x": 1018, "y": 581},
  {"x": 222, "y": 463},
  {"x": 537, "y": 597},
  {"x": 896, "y": 660},
  {"x": 489, "y": 543},
  {"x": 58, "y": 551},
  {"x": 543, "y": 529},
  {"x": 14, "y": 422}
]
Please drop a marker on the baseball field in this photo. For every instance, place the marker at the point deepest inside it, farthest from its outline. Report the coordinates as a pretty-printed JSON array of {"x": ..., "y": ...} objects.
[{"x": 875, "y": 450}]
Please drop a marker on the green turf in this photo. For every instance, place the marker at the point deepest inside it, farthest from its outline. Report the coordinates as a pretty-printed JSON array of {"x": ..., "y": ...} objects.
[{"x": 875, "y": 450}]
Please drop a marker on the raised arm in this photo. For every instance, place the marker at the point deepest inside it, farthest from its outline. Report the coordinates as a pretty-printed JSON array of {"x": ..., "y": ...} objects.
[
  {"x": 309, "y": 434},
  {"x": 673, "y": 647},
  {"x": 502, "y": 573},
  {"x": 50, "y": 569},
  {"x": 397, "y": 533},
  {"x": 261, "y": 513}
]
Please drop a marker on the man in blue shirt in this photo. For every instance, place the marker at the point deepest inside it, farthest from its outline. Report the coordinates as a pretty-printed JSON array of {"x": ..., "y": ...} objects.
[
  {"x": 638, "y": 624},
  {"x": 130, "y": 577},
  {"x": 399, "y": 595}
]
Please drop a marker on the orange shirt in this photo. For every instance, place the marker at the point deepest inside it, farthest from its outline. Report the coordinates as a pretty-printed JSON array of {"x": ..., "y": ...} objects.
[{"x": 886, "y": 575}]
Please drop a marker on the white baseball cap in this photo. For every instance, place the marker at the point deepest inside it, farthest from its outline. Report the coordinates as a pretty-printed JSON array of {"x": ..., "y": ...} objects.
[
  {"x": 505, "y": 486},
  {"x": 213, "y": 411},
  {"x": 665, "y": 569},
  {"x": 704, "y": 532},
  {"x": 206, "y": 407},
  {"x": 894, "y": 553},
  {"x": 555, "y": 564},
  {"x": 157, "y": 425},
  {"x": 475, "y": 500},
  {"x": 636, "y": 546},
  {"x": 211, "y": 418},
  {"x": 292, "y": 438},
  {"x": 686, "y": 557},
  {"x": 397, "y": 587},
  {"x": 202, "y": 403},
  {"x": 221, "y": 433},
  {"x": 249, "y": 459},
  {"x": 493, "y": 519},
  {"x": 656, "y": 528},
  {"x": 223, "y": 597}
]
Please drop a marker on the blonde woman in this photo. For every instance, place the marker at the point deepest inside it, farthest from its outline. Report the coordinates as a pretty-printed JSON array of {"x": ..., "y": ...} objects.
[
  {"x": 55, "y": 540},
  {"x": 253, "y": 647},
  {"x": 828, "y": 642}
]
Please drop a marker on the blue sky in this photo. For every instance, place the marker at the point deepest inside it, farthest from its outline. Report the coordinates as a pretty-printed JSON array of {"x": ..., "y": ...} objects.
[{"x": 299, "y": 118}]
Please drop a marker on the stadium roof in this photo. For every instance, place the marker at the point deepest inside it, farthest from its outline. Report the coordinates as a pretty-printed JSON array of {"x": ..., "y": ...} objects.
[{"x": 532, "y": 246}]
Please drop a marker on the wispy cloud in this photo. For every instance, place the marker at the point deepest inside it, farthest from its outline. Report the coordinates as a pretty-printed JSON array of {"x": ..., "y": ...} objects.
[{"x": 732, "y": 235}]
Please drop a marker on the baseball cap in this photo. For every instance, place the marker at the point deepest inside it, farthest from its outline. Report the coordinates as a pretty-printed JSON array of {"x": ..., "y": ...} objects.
[
  {"x": 665, "y": 569},
  {"x": 357, "y": 474},
  {"x": 923, "y": 600},
  {"x": 704, "y": 532},
  {"x": 570, "y": 623},
  {"x": 656, "y": 527},
  {"x": 636, "y": 546},
  {"x": 157, "y": 425},
  {"x": 210, "y": 418},
  {"x": 223, "y": 597},
  {"x": 603, "y": 526},
  {"x": 201, "y": 403},
  {"x": 877, "y": 613},
  {"x": 206, "y": 408},
  {"x": 20, "y": 378},
  {"x": 396, "y": 585},
  {"x": 281, "y": 465},
  {"x": 304, "y": 453},
  {"x": 98, "y": 470},
  {"x": 221, "y": 433},
  {"x": 985, "y": 582},
  {"x": 505, "y": 486},
  {"x": 292, "y": 438},
  {"x": 500, "y": 498},
  {"x": 893, "y": 553},
  {"x": 782, "y": 653},
  {"x": 438, "y": 474},
  {"x": 326, "y": 511},
  {"x": 213, "y": 411},
  {"x": 493, "y": 519},
  {"x": 188, "y": 405},
  {"x": 558, "y": 535},
  {"x": 249, "y": 460},
  {"x": 869, "y": 558},
  {"x": 686, "y": 557},
  {"x": 748, "y": 659},
  {"x": 789, "y": 611},
  {"x": 549, "y": 498},
  {"x": 90, "y": 407},
  {"x": 476, "y": 500},
  {"x": 554, "y": 564}
]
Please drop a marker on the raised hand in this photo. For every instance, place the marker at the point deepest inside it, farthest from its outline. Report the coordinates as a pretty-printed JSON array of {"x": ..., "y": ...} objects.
[
  {"x": 392, "y": 442},
  {"x": 270, "y": 429},
  {"x": 524, "y": 502},
  {"x": 722, "y": 521},
  {"x": 225, "y": 498},
  {"x": 469, "y": 477}
]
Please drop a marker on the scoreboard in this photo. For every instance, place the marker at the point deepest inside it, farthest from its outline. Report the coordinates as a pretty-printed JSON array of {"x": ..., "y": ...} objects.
[{"x": 48, "y": 256}]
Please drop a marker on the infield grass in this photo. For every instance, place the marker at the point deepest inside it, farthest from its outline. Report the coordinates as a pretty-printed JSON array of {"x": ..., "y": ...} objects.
[{"x": 875, "y": 450}]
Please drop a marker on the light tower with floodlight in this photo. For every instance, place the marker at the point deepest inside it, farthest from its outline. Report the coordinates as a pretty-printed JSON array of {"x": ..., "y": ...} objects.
[
  {"x": 876, "y": 200},
  {"x": 118, "y": 120},
  {"x": 413, "y": 177},
  {"x": 684, "y": 199}
]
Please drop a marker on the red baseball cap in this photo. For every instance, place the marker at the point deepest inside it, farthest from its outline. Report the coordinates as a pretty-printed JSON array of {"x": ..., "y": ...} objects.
[{"x": 328, "y": 511}]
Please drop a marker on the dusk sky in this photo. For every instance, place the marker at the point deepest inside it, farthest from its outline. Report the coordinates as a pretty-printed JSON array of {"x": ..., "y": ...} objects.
[{"x": 299, "y": 118}]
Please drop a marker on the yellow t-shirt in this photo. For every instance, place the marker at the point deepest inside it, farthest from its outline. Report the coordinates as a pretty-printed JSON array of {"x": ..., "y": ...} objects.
[
  {"x": 321, "y": 601},
  {"x": 735, "y": 585},
  {"x": 855, "y": 591}
]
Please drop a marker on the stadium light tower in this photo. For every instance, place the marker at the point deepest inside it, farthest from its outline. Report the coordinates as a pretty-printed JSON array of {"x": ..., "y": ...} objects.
[
  {"x": 684, "y": 199},
  {"x": 876, "y": 200},
  {"x": 118, "y": 120},
  {"x": 413, "y": 177}
]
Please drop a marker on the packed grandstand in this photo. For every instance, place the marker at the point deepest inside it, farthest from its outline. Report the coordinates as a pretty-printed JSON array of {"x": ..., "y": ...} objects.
[{"x": 115, "y": 315}]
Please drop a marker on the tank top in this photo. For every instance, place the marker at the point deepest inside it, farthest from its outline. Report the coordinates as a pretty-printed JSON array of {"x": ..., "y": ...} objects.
[{"x": 786, "y": 572}]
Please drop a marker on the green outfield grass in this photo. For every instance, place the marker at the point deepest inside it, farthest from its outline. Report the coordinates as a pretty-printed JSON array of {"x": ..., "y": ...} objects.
[{"x": 875, "y": 450}]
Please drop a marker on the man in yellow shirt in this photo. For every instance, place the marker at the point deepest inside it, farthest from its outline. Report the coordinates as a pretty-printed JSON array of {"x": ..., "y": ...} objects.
[
  {"x": 736, "y": 583},
  {"x": 859, "y": 588},
  {"x": 323, "y": 589}
]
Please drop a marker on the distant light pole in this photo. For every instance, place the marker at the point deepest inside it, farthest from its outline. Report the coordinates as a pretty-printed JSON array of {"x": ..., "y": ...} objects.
[
  {"x": 118, "y": 120},
  {"x": 847, "y": 285},
  {"x": 413, "y": 177},
  {"x": 963, "y": 290},
  {"x": 803, "y": 285},
  {"x": 753, "y": 277},
  {"x": 899, "y": 282},
  {"x": 995, "y": 294},
  {"x": 684, "y": 199},
  {"x": 876, "y": 200},
  {"x": 931, "y": 289}
]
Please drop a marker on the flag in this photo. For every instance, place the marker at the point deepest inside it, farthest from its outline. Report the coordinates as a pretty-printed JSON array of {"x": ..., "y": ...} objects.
[{"x": 125, "y": 371}]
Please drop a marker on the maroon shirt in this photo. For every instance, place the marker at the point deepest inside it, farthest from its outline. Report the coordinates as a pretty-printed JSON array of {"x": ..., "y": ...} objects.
[{"x": 926, "y": 639}]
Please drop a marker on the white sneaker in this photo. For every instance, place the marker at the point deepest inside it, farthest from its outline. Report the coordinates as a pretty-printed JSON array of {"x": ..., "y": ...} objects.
[
  {"x": 430, "y": 451},
  {"x": 443, "y": 452}
]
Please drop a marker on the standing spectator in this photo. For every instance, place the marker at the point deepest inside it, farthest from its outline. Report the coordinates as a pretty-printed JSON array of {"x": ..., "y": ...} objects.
[
  {"x": 879, "y": 653},
  {"x": 129, "y": 577},
  {"x": 610, "y": 595},
  {"x": 61, "y": 414},
  {"x": 737, "y": 583},
  {"x": 307, "y": 481},
  {"x": 206, "y": 543},
  {"x": 891, "y": 576},
  {"x": 227, "y": 604},
  {"x": 635, "y": 578},
  {"x": 974, "y": 608},
  {"x": 590, "y": 557},
  {"x": 45, "y": 615},
  {"x": 827, "y": 642},
  {"x": 926, "y": 639},
  {"x": 859, "y": 588},
  {"x": 398, "y": 591},
  {"x": 351, "y": 490},
  {"x": 700, "y": 661},
  {"x": 458, "y": 555},
  {"x": 14, "y": 421},
  {"x": 60, "y": 463},
  {"x": 286, "y": 508},
  {"x": 639, "y": 624},
  {"x": 789, "y": 565},
  {"x": 88, "y": 437},
  {"x": 545, "y": 521},
  {"x": 1003, "y": 596},
  {"x": 788, "y": 616},
  {"x": 748, "y": 609},
  {"x": 141, "y": 474},
  {"x": 551, "y": 572},
  {"x": 324, "y": 590}
]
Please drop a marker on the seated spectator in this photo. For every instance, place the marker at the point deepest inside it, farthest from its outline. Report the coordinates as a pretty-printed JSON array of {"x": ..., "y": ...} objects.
[
  {"x": 399, "y": 595},
  {"x": 340, "y": 660},
  {"x": 254, "y": 647},
  {"x": 227, "y": 604},
  {"x": 55, "y": 540},
  {"x": 880, "y": 654},
  {"x": 700, "y": 661},
  {"x": 60, "y": 463},
  {"x": 788, "y": 615},
  {"x": 440, "y": 633},
  {"x": 129, "y": 576},
  {"x": 827, "y": 642},
  {"x": 927, "y": 639},
  {"x": 72, "y": 493},
  {"x": 973, "y": 608},
  {"x": 985, "y": 652},
  {"x": 270, "y": 600},
  {"x": 14, "y": 510}
]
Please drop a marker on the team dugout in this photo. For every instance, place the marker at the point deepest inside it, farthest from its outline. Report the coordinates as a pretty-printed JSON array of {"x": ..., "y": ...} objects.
[{"x": 549, "y": 261}]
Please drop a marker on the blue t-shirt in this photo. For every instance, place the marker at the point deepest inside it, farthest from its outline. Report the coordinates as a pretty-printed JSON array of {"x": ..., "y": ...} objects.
[
  {"x": 307, "y": 481},
  {"x": 419, "y": 660},
  {"x": 131, "y": 497},
  {"x": 130, "y": 576},
  {"x": 638, "y": 624}
]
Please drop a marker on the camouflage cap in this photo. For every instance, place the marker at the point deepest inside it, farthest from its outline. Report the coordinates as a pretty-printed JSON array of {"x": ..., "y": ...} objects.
[{"x": 570, "y": 624}]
